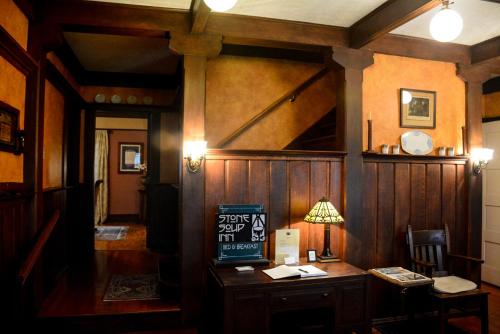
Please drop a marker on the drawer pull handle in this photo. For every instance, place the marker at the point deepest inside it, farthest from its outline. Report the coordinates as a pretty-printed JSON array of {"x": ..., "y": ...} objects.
[
  {"x": 284, "y": 299},
  {"x": 325, "y": 295}
]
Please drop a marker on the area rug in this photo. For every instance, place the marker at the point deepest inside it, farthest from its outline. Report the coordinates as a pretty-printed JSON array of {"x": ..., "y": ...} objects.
[
  {"x": 136, "y": 287},
  {"x": 111, "y": 232}
]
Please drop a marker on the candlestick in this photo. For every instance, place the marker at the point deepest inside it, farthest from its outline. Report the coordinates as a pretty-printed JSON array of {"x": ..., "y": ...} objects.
[{"x": 370, "y": 144}]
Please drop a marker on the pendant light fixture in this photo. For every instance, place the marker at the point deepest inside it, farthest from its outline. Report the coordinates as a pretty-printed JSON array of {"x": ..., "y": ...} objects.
[
  {"x": 220, "y": 5},
  {"x": 447, "y": 24}
]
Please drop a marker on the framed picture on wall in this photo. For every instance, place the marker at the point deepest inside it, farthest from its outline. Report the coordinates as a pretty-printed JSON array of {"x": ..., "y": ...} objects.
[
  {"x": 131, "y": 157},
  {"x": 9, "y": 118},
  {"x": 417, "y": 108}
]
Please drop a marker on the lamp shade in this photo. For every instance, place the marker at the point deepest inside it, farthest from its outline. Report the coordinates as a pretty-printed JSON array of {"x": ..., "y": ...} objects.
[
  {"x": 220, "y": 5},
  {"x": 323, "y": 212},
  {"x": 446, "y": 25}
]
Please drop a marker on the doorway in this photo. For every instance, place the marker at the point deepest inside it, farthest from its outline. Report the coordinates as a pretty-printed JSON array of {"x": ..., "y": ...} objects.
[
  {"x": 120, "y": 177},
  {"x": 491, "y": 207}
]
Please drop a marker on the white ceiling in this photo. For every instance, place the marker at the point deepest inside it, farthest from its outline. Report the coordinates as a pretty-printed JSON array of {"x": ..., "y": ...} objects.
[
  {"x": 481, "y": 18},
  {"x": 481, "y": 22}
]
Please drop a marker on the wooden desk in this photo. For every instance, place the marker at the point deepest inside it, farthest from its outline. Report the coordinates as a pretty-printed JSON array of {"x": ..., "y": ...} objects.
[{"x": 252, "y": 302}]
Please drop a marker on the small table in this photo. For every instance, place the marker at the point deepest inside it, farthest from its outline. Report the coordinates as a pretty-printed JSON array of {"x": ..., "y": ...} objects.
[{"x": 252, "y": 302}]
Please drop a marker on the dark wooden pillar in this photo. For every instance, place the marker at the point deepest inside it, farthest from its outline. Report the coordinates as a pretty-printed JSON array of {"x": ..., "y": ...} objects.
[
  {"x": 349, "y": 95},
  {"x": 196, "y": 49},
  {"x": 474, "y": 77}
]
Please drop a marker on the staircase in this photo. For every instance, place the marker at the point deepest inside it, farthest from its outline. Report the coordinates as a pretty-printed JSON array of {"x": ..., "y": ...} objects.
[{"x": 321, "y": 136}]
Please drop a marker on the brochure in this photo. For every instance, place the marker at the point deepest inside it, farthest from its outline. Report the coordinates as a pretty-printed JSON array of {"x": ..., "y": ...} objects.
[{"x": 401, "y": 276}]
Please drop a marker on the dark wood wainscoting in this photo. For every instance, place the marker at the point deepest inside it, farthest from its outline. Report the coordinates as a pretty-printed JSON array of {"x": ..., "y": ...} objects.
[
  {"x": 426, "y": 192},
  {"x": 287, "y": 183}
]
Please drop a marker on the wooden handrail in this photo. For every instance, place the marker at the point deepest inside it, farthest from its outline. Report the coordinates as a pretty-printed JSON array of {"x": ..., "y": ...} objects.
[
  {"x": 37, "y": 248},
  {"x": 291, "y": 94}
]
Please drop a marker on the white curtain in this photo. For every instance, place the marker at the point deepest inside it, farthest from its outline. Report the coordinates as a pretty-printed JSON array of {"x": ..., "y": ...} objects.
[{"x": 101, "y": 176}]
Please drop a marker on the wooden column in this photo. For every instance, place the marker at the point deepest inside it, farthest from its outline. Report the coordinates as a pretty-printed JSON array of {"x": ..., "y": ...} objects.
[
  {"x": 196, "y": 49},
  {"x": 350, "y": 101},
  {"x": 474, "y": 77}
]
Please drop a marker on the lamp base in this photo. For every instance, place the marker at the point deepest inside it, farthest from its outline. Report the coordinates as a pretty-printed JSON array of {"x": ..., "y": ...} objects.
[{"x": 323, "y": 259}]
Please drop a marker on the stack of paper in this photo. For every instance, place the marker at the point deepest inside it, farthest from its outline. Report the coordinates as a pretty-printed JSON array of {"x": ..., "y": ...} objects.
[{"x": 284, "y": 271}]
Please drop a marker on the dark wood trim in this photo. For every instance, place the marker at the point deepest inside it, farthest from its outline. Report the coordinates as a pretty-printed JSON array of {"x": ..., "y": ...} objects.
[
  {"x": 132, "y": 80},
  {"x": 426, "y": 159},
  {"x": 115, "y": 31},
  {"x": 60, "y": 82},
  {"x": 273, "y": 53},
  {"x": 15, "y": 54},
  {"x": 289, "y": 95},
  {"x": 491, "y": 119},
  {"x": 492, "y": 86},
  {"x": 231, "y": 25},
  {"x": 275, "y": 44},
  {"x": 70, "y": 61},
  {"x": 113, "y": 15},
  {"x": 127, "y": 110},
  {"x": 385, "y": 18},
  {"x": 26, "y": 6},
  {"x": 199, "y": 16},
  {"x": 274, "y": 155},
  {"x": 122, "y": 218},
  {"x": 420, "y": 48},
  {"x": 37, "y": 249},
  {"x": 486, "y": 50}
]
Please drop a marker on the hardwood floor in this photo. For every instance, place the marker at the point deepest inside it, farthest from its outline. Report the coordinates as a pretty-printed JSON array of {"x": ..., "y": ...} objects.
[
  {"x": 134, "y": 240},
  {"x": 472, "y": 325}
]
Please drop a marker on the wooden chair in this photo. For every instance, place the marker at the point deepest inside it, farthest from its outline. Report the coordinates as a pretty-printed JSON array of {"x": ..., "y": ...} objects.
[{"x": 429, "y": 255}]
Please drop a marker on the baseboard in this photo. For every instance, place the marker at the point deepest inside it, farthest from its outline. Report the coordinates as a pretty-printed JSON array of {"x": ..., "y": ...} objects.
[{"x": 123, "y": 218}]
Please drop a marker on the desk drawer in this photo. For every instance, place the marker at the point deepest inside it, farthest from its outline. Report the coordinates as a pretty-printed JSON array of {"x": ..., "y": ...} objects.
[{"x": 287, "y": 299}]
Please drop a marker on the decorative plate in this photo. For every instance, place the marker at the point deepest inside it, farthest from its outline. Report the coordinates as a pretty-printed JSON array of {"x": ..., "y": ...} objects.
[
  {"x": 416, "y": 142},
  {"x": 100, "y": 98},
  {"x": 116, "y": 99},
  {"x": 148, "y": 100},
  {"x": 131, "y": 99}
]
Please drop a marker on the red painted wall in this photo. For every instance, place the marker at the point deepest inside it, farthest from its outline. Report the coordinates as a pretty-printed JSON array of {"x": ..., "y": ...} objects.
[{"x": 123, "y": 194}]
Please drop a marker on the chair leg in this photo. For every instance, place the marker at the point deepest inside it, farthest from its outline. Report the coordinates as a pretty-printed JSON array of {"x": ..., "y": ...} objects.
[
  {"x": 484, "y": 315},
  {"x": 442, "y": 318}
]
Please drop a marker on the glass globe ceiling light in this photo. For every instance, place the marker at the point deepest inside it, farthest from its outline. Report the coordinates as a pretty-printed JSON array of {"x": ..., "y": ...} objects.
[
  {"x": 446, "y": 25},
  {"x": 220, "y": 5}
]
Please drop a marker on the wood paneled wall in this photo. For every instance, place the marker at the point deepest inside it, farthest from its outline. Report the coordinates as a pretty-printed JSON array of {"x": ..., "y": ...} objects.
[
  {"x": 426, "y": 193},
  {"x": 288, "y": 184}
]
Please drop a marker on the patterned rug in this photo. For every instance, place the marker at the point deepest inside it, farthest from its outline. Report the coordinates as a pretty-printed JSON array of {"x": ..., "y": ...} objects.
[
  {"x": 111, "y": 232},
  {"x": 136, "y": 287}
]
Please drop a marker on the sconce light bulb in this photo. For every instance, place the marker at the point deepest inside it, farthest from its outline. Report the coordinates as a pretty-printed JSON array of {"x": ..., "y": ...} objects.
[{"x": 194, "y": 153}]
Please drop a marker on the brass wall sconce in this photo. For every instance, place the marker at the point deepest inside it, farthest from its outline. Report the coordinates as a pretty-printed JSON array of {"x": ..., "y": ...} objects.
[
  {"x": 480, "y": 158},
  {"x": 194, "y": 153}
]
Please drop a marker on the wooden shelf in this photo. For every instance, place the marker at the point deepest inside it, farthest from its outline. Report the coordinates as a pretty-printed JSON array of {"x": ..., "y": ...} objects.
[{"x": 379, "y": 157}]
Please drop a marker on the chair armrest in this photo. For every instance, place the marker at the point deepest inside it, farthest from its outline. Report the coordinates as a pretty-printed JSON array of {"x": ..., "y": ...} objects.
[
  {"x": 467, "y": 258},
  {"x": 424, "y": 263}
]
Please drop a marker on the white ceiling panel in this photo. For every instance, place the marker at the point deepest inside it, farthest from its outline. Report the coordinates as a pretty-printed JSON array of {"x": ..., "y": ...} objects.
[
  {"x": 177, "y": 4},
  {"x": 481, "y": 22},
  {"x": 341, "y": 13}
]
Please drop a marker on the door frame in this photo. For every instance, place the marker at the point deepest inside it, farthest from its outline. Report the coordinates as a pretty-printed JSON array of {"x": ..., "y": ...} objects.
[{"x": 93, "y": 110}]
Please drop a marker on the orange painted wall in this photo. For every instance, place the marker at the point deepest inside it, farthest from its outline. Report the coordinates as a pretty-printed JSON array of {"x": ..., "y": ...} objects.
[
  {"x": 13, "y": 20},
  {"x": 238, "y": 88},
  {"x": 53, "y": 123},
  {"x": 381, "y": 84},
  {"x": 123, "y": 194},
  {"x": 12, "y": 92},
  {"x": 491, "y": 105}
]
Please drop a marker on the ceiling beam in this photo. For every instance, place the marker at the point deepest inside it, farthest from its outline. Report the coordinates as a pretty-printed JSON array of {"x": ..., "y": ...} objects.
[
  {"x": 199, "y": 16},
  {"x": 485, "y": 50},
  {"x": 386, "y": 18},
  {"x": 115, "y": 31},
  {"x": 101, "y": 14},
  {"x": 132, "y": 80}
]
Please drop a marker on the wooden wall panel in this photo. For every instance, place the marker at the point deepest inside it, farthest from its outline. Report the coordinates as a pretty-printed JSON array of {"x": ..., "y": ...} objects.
[
  {"x": 426, "y": 193},
  {"x": 288, "y": 186}
]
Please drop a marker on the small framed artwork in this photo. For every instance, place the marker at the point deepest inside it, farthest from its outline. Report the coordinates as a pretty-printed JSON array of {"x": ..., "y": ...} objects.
[
  {"x": 417, "y": 108},
  {"x": 9, "y": 118},
  {"x": 131, "y": 157},
  {"x": 311, "y": 255}
]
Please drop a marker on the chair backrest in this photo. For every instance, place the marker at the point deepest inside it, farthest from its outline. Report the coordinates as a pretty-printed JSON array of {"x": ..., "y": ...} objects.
[{"x": 428, "y": 246}]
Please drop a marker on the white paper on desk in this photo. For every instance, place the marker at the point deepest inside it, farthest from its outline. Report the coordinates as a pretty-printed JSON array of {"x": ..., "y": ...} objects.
[
  {"x": 287, "y": 245},
  {"x": 310, "y": 271},
  {"x": 285, "y": 271}
]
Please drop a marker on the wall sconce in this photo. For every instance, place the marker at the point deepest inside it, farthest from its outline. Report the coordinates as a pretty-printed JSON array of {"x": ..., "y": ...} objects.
[
  {"x": 194, "y": 153},
  {"x": 480, "y": 158}
]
